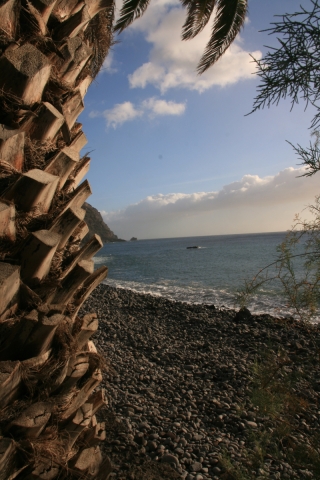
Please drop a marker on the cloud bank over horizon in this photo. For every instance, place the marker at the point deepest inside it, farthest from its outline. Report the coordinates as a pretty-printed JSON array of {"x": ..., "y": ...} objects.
[{"x": 252, "y": 204}]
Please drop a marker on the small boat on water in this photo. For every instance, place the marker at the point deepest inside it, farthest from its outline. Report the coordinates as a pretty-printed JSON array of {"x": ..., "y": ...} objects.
[{"x": 196, "y": 246}]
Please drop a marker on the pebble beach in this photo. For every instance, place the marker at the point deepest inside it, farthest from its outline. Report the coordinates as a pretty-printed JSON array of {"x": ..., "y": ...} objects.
[{"x": 184, "y": 385}]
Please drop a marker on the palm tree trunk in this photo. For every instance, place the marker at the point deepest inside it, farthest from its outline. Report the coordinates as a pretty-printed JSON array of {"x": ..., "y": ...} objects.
[{"x": 50, "y": 51}]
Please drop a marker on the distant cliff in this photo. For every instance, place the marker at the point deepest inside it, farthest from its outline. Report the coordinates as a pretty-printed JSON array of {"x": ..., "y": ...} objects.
[{"x": 96, "y": 224}]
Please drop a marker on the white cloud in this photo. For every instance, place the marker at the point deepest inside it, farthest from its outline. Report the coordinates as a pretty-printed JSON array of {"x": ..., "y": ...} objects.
[
  {"x": 162, "y": 107},
  {"x": 125, "y": 112},
  {"x": 147, "y": 73},
  {"x": 107, "y": 66},
  {"x": 250, "y": 204},
  {"x": 172, "y": 62},
  {"x": 120, "y": 113}
]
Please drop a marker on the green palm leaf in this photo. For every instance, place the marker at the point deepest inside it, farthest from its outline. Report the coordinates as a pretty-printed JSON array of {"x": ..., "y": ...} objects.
[
  {"x": 199, "y": 13},
  {"x": 131, "y": 10},
  {"x": 229, "y": 19}
]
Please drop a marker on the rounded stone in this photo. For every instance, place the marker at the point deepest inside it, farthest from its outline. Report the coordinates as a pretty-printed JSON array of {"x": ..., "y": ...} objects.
[
  {"x": 196, "y": 466},
  {"x": 172, "y": 459}
]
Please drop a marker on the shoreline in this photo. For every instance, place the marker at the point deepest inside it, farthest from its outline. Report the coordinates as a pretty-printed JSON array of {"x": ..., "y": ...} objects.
[
  {"x": 182, "y": 384},
  {"x": 258, "y": 305}
]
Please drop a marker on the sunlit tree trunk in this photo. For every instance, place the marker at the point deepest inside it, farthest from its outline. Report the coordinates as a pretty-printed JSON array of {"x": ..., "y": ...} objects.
[{"x": 50, "y": 51}]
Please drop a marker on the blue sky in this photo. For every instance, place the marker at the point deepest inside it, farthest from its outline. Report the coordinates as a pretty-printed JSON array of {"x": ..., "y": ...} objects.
[{"x": 173, "y": 154}]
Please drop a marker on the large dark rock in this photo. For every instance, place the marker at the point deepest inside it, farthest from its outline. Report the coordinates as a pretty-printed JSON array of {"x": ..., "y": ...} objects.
[{"x": 96, "y": 224}]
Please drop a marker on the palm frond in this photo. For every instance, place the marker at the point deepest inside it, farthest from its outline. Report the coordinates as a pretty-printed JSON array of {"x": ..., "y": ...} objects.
[
  {"x": 199, "y": 13},
  {"x": 229, "y": 19},
  {"x": 131, "y": 10}
]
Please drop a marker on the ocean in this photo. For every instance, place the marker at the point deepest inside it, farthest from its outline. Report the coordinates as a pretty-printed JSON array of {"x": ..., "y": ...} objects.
[{"x": 210, "y": 274}]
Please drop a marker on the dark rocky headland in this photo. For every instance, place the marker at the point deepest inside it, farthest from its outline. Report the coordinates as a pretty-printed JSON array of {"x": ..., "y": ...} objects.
[
  {"x": 97, "y": 225},
  {"x": 200, "y": 393}
]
